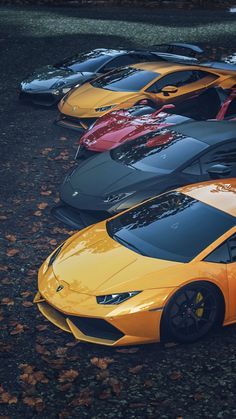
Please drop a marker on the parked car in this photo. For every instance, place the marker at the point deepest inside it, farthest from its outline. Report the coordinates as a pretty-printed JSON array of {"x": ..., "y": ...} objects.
[
  {"x": 47, "y": 85},
  {"x": 122, "y": 125},
  {"x": 165, "y": 269},
  {"x": 146, "y": 166},
  {"x": 161, "y": 83}
]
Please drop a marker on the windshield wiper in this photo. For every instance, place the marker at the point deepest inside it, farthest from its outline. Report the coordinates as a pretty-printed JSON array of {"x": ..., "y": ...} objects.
[{"x": 129, "y": 245}]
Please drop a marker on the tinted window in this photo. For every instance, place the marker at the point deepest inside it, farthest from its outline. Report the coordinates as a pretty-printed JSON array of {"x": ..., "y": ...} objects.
[
  {"x": 219, "y": 255},
  {"x": 172, "y": 226},
  {"x": 121, "y": 61},
  {"x": 223, "y": 154},
  {"x": 164, "y": 149},
  {"x": 85, "y": 62},
  {"x": 127, "y": 80},
  {"x": 231, "y": 111},
  {"x": 178, "y": 79},
  {"x": 232, "y": 247},
  {"x": 193, "y": 169}
]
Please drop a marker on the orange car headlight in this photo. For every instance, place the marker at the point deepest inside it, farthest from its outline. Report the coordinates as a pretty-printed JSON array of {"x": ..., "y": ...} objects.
[{"x": 116, "y": 298}]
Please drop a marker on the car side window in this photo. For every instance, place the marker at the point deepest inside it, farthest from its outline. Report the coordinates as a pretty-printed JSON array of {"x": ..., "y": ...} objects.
[
  {"x": 178, "y": 79},
  {"x": 120, "y": 61},
  {"x": 231, "y": 111},
  {"x": 193, "y": 169},
  {"x": 224, "y": 154},
  {"x": 232, "y": 247},
  {"x": 219, "y": 255}
]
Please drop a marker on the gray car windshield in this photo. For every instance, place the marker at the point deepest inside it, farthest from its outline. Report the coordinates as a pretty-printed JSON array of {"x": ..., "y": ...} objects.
[{"x": 162, "y": 150}]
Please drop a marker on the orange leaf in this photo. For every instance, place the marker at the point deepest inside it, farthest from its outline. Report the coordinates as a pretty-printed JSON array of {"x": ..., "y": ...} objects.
[
  {"x": 7, "y": 301},
  {"x": 42, "y": 205},
  {"x": 127, "y": 350},
  {"x": 101, "y": 363},
  {"x": 41, "y": 349},
  {"x": 18, "y": 329},
  {"x": 45, "y": 193},
  {"x": 41, "y": 327},
  {"x": 175, "y": 375},
  {"x": 136, "y": 370},
  {"x": 11, "y": 238},
  {"x": 38, "y": 213},
  {"x": 69, "y": 375},
  {"x": 12, "y": 252},
  {"x": 27, "y": 304}
]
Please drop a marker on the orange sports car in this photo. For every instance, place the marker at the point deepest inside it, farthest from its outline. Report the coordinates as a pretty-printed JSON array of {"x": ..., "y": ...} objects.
[
  {"x": 161, "y": 83},
  {"x": 164, "y": 269}
]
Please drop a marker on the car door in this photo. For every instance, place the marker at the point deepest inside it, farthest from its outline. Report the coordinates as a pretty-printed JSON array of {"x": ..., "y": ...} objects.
[
  {"x": 187, "y": 82},
  {"x": 231, "y": 273},
  {"x": 224, "y": 260},
  {"x": 197, "y": 170}
]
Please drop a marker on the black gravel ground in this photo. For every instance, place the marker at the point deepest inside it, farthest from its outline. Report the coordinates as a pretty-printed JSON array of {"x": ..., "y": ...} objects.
[{"x": 44, "y": 372}]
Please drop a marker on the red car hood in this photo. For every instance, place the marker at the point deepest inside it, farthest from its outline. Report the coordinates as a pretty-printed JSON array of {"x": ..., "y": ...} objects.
[{"x": 119, "y": 126}]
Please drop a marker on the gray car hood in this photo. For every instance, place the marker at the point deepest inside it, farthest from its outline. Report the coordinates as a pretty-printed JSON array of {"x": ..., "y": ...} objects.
[
  {"x": 45, "y": 78},
  {"x": 101, "y": 176}
]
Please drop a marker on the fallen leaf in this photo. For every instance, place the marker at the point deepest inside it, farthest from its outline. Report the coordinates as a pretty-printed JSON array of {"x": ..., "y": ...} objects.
[
  {"x": 175, "y": 375},
  {"x": 84, "y": 398},
  {"x": 127, "y": 350},
  {"x": 27, "y": 304},
  {"x": 101, "y": 363},
  {"x": 11, "y": 238},
  {"x": 69, "y": 375},
  {"x": 42, "y": 205},
  {"x": 105, "y": 394},
  {"x": 35, "y": 402},
  {"x": 38, "y": 213},
  {"x": 18, "y": 329},
  {"x": 116, "y": 385},
  {"x": 136, "y": 369},
  {"x": 41, "y": 349},
  {"x": 41, "y": 327},
  {"x": 45, "y": 193},
  {"x": 12, "y": 252},
  {"x": 7, "y": 301}
]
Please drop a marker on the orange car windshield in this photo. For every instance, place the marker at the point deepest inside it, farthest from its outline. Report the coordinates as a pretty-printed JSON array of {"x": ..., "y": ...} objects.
[
  {"x": 128, "y": 79},
  {"x": 172, "y": 226}
]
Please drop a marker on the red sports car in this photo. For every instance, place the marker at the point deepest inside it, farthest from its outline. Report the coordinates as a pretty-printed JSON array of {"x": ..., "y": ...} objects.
[{"x": 127, "y": 124}]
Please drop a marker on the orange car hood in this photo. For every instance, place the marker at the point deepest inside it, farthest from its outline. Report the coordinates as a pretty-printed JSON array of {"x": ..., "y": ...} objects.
[
  {"x": 89, "y": 97},
  {"x": 93, "y": 263}
]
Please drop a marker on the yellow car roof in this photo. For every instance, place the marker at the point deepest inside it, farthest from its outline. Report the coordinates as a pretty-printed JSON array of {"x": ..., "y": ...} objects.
[{"x": 220, "y": 194}]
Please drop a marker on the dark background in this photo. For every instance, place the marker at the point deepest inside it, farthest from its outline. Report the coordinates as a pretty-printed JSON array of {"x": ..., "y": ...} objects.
[{"x": 43, "y": 372}]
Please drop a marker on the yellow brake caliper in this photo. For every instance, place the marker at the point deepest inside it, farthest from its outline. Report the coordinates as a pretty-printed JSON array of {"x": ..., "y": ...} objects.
[{"x": 199, "y": 311}]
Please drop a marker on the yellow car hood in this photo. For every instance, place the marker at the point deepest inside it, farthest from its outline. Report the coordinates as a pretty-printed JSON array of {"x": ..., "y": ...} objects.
[
  {"x": 88, "y": 98},
  {"x": 93, "y": 263}
]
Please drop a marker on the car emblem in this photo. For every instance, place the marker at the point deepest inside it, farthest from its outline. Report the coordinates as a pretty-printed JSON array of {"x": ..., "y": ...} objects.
[
  {"x": 75, "y": 193},
  {"x": 74, "y": 108},
  {"x": 59, "y": 288}
]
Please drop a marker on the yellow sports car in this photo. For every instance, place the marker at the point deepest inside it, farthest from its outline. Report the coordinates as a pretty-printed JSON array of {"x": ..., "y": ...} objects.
[
  {"x": 164, "y": 269},
  {"x": 152, "y": 82}
]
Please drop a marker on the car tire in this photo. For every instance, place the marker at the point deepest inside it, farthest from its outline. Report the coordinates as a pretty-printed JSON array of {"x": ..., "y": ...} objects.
[{"x": 192, "y": 312}]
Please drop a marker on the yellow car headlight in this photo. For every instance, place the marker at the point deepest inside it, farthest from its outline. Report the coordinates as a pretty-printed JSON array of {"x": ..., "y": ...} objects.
[
  {"x": 104, "y": 108},
  {"x": 116, "y": 298}
]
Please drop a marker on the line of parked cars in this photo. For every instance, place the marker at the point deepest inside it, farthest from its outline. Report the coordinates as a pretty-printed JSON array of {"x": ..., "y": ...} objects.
[{"x": 152, "y": 195}]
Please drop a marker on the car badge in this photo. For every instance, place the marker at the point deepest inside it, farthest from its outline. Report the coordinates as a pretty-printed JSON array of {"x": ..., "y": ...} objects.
[
  {"x": 59, "y": 288},
  {"x": 75, "y": 193},
  {"x": 74, "y": 108}
]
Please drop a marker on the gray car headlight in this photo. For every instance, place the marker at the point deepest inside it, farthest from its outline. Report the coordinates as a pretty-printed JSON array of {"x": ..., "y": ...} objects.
[
  {"x": 117, "y": 197},
  {"x": 116, "y": 298},
  {"x": 66, "y": 89},
  {"x": 104, "y": 108}
]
